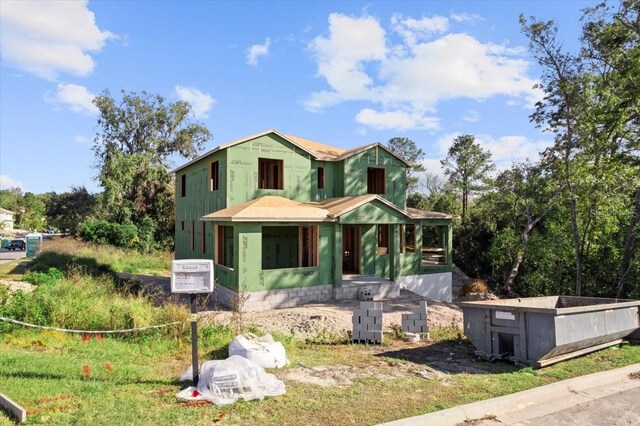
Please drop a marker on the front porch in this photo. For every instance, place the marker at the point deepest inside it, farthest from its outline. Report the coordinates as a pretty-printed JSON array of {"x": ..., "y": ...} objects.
[{"x": 353, "y": 285}]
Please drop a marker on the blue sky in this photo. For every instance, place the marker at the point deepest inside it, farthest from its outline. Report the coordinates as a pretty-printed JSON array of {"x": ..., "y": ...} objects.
[{"x": 341, "y": 73}]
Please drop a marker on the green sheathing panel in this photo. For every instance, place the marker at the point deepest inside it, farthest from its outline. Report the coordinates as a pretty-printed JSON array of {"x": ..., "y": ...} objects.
[
  {"x": 251, "y": 277},
  {"x": 338, "y": 170},
  {"x": 279, "y": 247},
  {"x": 197, "y": 202},
  {"x": 331, "y": 180},
  {"x": 355, "y": 174},
  {"x": 372, "y": 212},
  {"x": 242, "y": 184},
  {"x": 382, "y": 265},
  {"x": 368, "y": 250}
]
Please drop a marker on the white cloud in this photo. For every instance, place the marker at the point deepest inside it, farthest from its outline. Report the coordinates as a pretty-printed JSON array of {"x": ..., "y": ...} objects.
[
  {"x": 201, "y": 103},
  {"x": 415, "y": 30},
  {"x": 466, "y": 17},
  {"x": 360, "y": 63},
  {"x": 341, "y": 57},
  {"x": 507, "y": 149},
  {"x": 471, "y": 116},
  {"x": 433, "y": 165},
  {"x": 79, "y": 139},
  {"x": 257, "y": 50},
  {"x": 396, "y": 120},
  {"x": 7, "y": 182},
  {"x": 76, "y": 97},
  {"x": 504, "y": 149},
  {"x": 47, "y": 38}
]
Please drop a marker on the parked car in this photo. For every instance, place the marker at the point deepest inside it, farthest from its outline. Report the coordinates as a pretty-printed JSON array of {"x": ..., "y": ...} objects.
[{"x": 17, "y": 245}]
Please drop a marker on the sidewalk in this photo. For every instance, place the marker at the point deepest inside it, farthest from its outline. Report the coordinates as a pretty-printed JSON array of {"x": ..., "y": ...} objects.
[{"x": 605, "y": 398}]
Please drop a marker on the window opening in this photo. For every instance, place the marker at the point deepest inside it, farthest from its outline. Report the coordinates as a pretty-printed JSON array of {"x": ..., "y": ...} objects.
[
  {"x": 224, "y": 246},
  {"x": 435, "y": 248},
  {"x": 383, "y": 239},
  {"x": 203, "y": 237},
  {"x": 376, "y": 180},
  {"x": 289, "y": 247},
  {"x": 320, "y": 177},
  {"x": 270, "y": 173},
  {"x": 214, "y": 176}
]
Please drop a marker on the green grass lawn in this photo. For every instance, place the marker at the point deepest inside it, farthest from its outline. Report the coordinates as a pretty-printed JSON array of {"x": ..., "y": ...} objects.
[{"x": 62, "y": 380}]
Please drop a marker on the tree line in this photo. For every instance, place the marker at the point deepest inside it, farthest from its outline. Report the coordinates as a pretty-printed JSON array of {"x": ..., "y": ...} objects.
[{"x": 566, "y": 222}]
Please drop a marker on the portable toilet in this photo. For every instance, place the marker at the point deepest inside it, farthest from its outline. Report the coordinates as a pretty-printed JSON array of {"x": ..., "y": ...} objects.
[{"x": 34, "y": 242}]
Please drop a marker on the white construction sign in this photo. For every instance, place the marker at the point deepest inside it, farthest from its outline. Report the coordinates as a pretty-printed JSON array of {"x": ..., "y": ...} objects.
[{"x": 192, "y": 276}]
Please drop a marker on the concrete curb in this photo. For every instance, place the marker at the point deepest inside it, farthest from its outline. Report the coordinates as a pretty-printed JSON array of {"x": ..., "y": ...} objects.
[{"x": 541, "y": 401}]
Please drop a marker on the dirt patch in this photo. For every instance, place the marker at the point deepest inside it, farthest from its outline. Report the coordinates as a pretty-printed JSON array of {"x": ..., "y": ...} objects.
[
  {"x": 17, "y": 285},
  {"x": 344, "y": 375},
  {"x": 334, "y": 318}
]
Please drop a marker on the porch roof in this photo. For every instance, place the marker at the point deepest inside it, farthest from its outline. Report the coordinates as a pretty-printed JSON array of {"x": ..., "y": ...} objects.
[
  {"x": 341, "y": 205},
  {"x": 424, "y": 214},
  {"x": 270, "y": 208}
]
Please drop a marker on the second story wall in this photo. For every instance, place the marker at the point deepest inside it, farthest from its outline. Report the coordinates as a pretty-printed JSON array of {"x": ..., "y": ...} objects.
[
  {"x": 198, "y": 193},
  {"x": 324, "y": 179},
  {"x": 268, "y": 165},
  {"x": 376, "y": 167}
]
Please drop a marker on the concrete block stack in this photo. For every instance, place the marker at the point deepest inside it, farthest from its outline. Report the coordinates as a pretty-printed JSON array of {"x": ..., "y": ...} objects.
[
  {"x": 367, "y": 323},
  {"x": 365, "y": 295},
  {"x": 416, "y": 322}
]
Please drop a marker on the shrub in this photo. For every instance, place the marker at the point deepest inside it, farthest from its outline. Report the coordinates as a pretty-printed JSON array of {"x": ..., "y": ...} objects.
[
  {"x": 52, "y": 275},
  {"x": 473, "y": 285},
  {"x": 125, "y": 235},
  {"x": 84, "y": 302}
]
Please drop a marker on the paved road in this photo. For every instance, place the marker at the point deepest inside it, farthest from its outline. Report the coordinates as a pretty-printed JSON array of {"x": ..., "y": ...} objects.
[
  {"x": 608, "y": 398},
  {"x": 9, "y": 255},
  {"x": 614, "y": 410}
]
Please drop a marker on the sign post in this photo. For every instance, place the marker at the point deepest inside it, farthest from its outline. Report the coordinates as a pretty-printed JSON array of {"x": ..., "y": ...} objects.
[{"x": 192, "y": 276}]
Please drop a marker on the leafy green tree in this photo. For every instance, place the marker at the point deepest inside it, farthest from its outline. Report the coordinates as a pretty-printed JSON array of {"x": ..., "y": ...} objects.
[
  {"x": 137, "y": 136},
  {"x": 408, "y": 150},
  {"x": 467, "y": 165},
  {"x": 9, "y": 199},
  {"x": 591, "y": 106},
  {"x": 31, "y": 210},
  {"x": 530, "y": 195},
  {"x": 68, "y": 210}
]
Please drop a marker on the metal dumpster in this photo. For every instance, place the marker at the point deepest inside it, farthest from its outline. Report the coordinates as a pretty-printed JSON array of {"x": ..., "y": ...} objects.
[{"x": 544, "y": 330}]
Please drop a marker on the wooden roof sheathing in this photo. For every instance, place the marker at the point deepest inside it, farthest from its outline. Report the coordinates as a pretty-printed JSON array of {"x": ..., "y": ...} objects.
[
  {"x": 342, "y": 205},
  {"x": 423, "y": 214},
  {"x": 317, "y": 150},
  {"x": 269, "y": 208}
]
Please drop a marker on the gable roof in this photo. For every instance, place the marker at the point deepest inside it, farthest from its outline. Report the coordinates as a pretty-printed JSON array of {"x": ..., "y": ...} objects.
[
  {"x": 269, "y": 208},
  {"x": 5, "y": 211},
  {"x": 339, "y": 206},
  {"x": 272, "y": 208},
  {"x": 317, "y": 150}
]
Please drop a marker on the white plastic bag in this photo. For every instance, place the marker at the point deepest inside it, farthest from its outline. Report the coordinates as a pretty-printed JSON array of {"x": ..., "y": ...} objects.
[
  {"x": 223, "y": 382},
  {"x": 261, "y": 350}
]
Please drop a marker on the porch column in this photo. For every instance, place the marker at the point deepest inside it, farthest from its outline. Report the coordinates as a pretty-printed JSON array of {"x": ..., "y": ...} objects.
[
  {"x": 394, "y": 253},
  {"x": 337, "y": 255}
]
